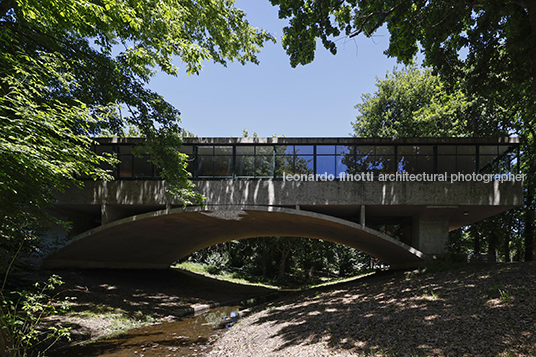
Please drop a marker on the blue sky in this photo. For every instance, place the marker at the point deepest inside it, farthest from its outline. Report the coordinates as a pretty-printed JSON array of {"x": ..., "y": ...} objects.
[{"x": 316, "y": 100}]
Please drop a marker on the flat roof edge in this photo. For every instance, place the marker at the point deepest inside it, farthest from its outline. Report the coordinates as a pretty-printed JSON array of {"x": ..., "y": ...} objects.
[{"x": 328, "y": 140}]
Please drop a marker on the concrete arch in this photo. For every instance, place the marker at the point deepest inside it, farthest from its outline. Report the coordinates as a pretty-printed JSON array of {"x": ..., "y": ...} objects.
[{"x": 157, "y": 239}]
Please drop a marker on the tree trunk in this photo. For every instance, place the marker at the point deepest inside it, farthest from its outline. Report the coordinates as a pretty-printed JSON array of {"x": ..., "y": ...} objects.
[
  {"x": 506, "y": 248},
  {"x": 492, "y": 249},
  {"x": 285, "y": 251},
  {"x": 529, "y": 225},
  {"x": 263, "y": 243}
]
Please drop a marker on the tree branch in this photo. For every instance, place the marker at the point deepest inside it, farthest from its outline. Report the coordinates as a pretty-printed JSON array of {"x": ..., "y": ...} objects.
[{"x": 379, "y": 23}]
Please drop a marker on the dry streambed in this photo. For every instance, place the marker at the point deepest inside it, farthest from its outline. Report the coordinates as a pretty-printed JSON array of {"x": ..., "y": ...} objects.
[{"x": 479, "y": 310}]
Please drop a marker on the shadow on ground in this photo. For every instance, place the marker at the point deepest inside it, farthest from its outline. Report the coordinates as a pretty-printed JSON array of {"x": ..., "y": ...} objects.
[
  {"x": 158, "y": 293},
  {"x": 473, "y": 311}
]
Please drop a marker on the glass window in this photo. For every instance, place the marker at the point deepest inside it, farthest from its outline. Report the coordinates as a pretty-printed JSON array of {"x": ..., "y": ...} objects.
[
  {"x": 486, "y": 162},
  {"x": 364, "y": 150},
  {"x": 446, "y": 163},
  {"x": 407, "y": 163},
  {"x": 245, "y": 150},
  {"x": 424, "y": 150},
  {"x": 205, "y": 150},
  {"x": 325, "y": 164},
  {"x": 104, "y": 148},
  {"x": 487, "y": 149},
  {"x": 304, "y": 149},
  {"x": 264, "y": 166},
  {"x": 143, "y": 167},
  {"x": 304, "y": 164},
  {"x": 406, "y": 150},
  {"x": 384, "y": 164},
  {"x": 223, "y": 166},
  {"x": 187, "y": 149},
  {"x": 446, "y": 150},
  {"x": 125, "y": 167},
  {"x": 325, "y": 149},
  {"x": 466, "y": 164},
  {"x": 284, "y": 149},
  {"x": 345, "y": 150},
  {"x": 284, "y": 165},
  {"x": 385, "y": 150},
  {"x": 125, "y": 149},
  {"x": 425, "y": 163},
  {"x": 223, "y": 150},
  {"x": 466, "y": 149},
  {"x": 503, "y": 149},
  {"x": 264, "y": 150},
  {"x": 245, "y": 165},
  {"x": 205, "y": 166},
  {"x": 344, "y": 165}
]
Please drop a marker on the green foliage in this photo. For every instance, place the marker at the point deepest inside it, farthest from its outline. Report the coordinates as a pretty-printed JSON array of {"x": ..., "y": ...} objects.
[
  {"x": 410, "y": 103},
  {"x": 22, "y": 312},
  {"x": 283, "y": 261},
  {"x": 71, "y": 70}
]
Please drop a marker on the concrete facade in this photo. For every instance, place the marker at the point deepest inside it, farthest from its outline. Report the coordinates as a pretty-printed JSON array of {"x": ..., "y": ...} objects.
[{"x": 135, "y": 224}]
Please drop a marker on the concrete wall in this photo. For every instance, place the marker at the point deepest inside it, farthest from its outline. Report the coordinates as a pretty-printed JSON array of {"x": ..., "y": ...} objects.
[{"x": 434, "y": 208}]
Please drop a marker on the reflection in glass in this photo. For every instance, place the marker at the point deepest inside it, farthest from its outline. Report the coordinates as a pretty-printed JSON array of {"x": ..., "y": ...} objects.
[
  {"x": 245, "y": 150},
  {"x": 205, "y": 166},
  {"x": 325, "y": 164},
  {"x": 446, "y": 150},
  {"x": 223, "y": 150},
  {"x": 487, "y": 149},
  {"x": 345, "y": 150},
  {"x": 143, "y": 167},
  {"x": 425, "y": 163},
  {"x": 342, "y": 165},
  {"x": 304, "y": 164},
  {"x": 466, "y": 164},
  {"x": 304, "y": 149},
  {"x": 325, "y": 150},
  {"x": 503, "y": 149},
  {"x": 205, "y": 150},
  {"x": 245, "y": 165},
  {"x": 264, "y": 166},
  {"x": 407, "y": 163},
  {"x": 264, "y": 150},
  {"x": 446, "y": 163},
  {"x": 284, "y": 149},
  {"x": 223, "y": 166},
  {"x": 187, "y": 149},
  {"x": 486, "y": 163},
  {"x": 385, "y": 150},
  {"x": 365, "y": 150},
  {"x": 466, "y": 149},
  {"x": 125, "y": 167}
]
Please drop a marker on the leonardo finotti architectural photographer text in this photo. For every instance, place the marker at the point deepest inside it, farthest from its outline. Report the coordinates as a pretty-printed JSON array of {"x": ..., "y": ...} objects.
[{"x": 406, "y": 177}]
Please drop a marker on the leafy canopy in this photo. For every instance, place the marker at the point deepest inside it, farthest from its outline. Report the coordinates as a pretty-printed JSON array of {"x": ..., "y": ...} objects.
[
  {"x": 71, "y": 69},
  {"x": 410, "y": 103},
  {"x": 497, "y": 37}
]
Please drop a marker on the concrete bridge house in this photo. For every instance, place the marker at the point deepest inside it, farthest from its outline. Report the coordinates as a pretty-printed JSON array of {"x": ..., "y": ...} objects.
[{"x": 346, "y": 190}]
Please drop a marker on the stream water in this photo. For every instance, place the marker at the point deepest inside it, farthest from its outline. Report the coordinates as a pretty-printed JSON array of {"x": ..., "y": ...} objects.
[{"x": 188, "y": 337}]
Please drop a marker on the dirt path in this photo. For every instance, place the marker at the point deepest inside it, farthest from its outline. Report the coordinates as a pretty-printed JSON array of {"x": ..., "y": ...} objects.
[{"x": 486, "y": 310}]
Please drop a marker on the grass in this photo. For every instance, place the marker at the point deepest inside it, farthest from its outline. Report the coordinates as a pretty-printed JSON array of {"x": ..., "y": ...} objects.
[
  {"x": 116, "y": 322},
  {"x": 204, "y": 269}
]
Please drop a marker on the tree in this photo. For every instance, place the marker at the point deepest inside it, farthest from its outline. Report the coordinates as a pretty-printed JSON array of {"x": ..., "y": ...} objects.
[
  {"x": 71, "y": 69},
  {"x": 412, "y": 102},
  {"x": 485, "y": 48},
  {"x": 497, "y": 34}
]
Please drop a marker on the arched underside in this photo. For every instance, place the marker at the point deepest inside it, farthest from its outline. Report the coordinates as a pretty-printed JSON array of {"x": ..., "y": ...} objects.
[{"x": 157, "y": 239}]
